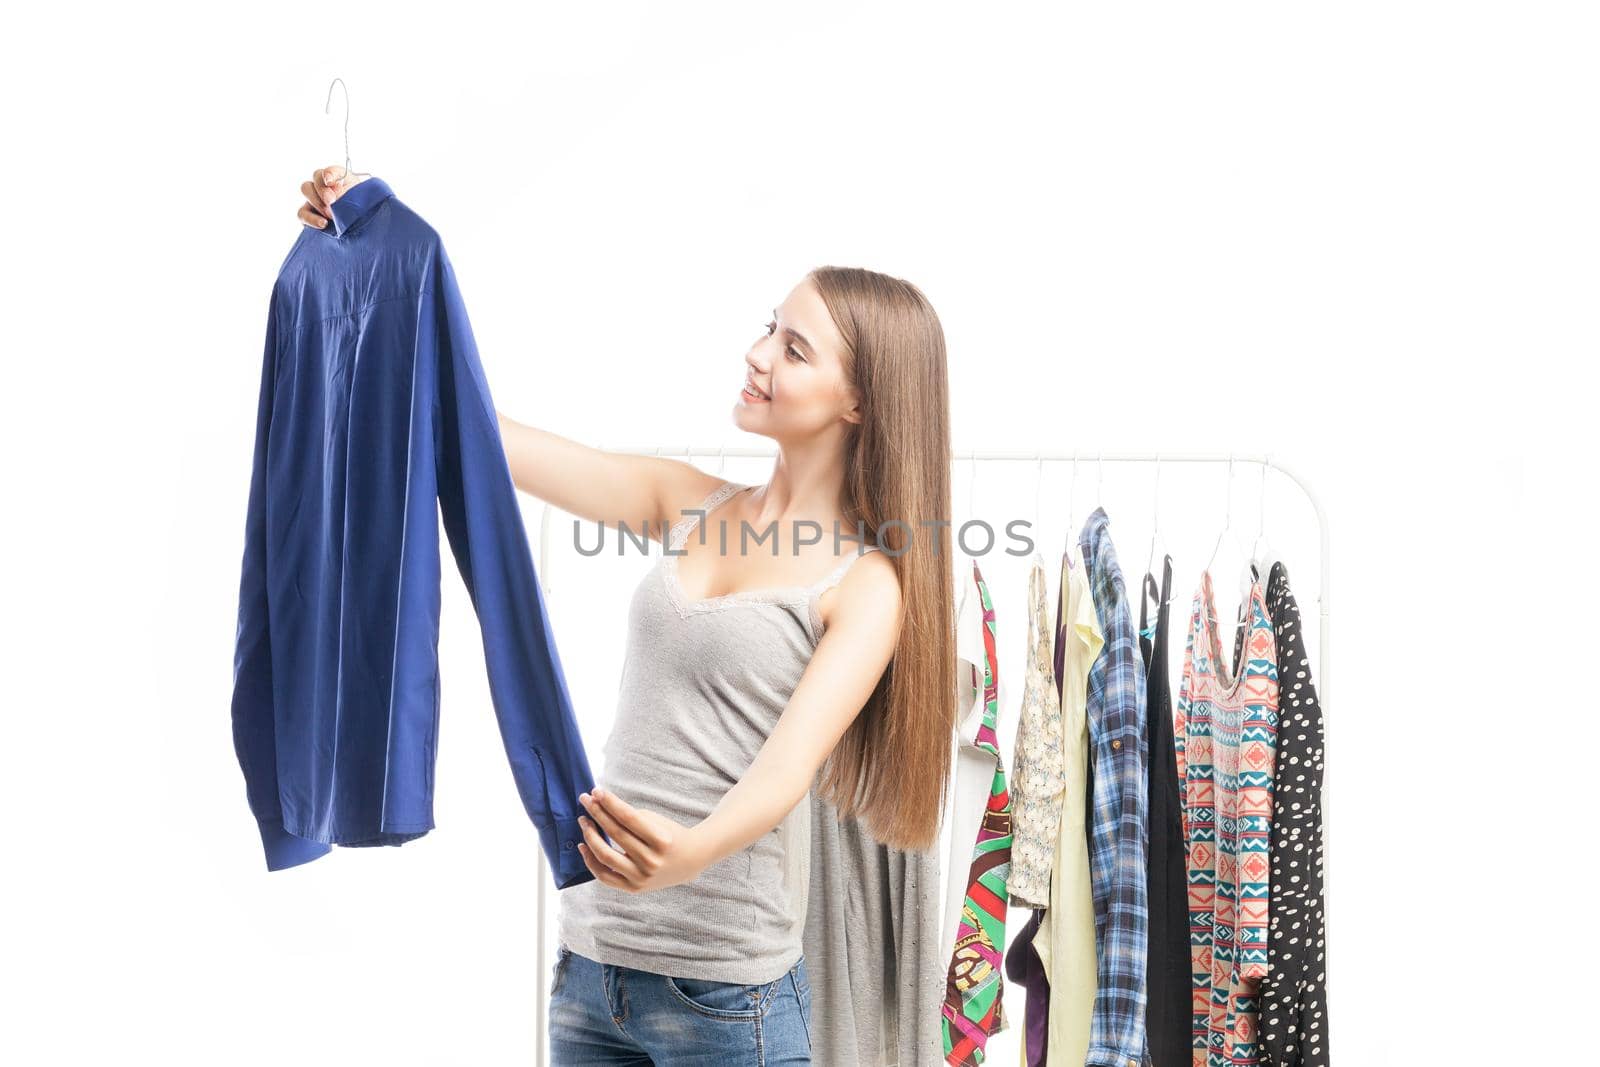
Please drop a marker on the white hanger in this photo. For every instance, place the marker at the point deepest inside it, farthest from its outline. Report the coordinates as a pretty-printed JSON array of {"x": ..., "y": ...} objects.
[
  {"x": 347, "y": 171},
  {"x": 1099, "y": 476},
  {"x": 1072, "y": 503},
  {"x": 1244, "y": 576},
  {"x": 1073, "y": 526},
  {"x": 1155, "y": 523},
  {"x": 1038, "y": 495},
  {"x": 1261, "y": 552},
  {"x": 1072, "y": 493}
]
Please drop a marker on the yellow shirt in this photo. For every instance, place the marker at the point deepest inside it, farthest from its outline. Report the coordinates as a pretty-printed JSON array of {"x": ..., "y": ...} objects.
[{"x": 1065, "y": 938}]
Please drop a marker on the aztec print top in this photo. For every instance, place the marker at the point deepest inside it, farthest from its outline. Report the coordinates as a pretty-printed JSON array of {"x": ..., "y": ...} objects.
[{"x": 1226, "y": 733}]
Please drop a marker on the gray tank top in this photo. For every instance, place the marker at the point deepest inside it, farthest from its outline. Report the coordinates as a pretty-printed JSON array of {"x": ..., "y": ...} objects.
[{"x": 703, "y": 683}]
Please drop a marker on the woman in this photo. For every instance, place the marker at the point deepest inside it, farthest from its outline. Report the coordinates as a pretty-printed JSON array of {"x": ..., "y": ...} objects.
[{"x": 753, "y": 676}]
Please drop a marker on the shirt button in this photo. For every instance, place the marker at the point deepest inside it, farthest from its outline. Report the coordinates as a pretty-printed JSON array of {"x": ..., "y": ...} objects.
[{"x": 1117, "y": 743}]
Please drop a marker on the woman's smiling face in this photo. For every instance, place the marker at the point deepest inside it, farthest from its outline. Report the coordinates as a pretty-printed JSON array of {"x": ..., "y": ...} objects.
[{"x": 794, "y": 385}]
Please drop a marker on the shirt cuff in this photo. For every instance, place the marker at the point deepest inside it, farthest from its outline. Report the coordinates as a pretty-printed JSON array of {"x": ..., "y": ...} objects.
[
  {"x": 285, "y": 849},
  {"x": 1103, "y": 1056},
  {"x": 559, "y": 838}
]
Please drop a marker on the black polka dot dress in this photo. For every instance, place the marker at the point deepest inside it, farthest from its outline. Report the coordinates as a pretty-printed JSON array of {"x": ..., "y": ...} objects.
[{"x": 1294, "y": 1007}]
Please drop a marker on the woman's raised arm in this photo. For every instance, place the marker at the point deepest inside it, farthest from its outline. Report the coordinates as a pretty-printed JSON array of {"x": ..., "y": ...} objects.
[{"x": 600, "y": 486}]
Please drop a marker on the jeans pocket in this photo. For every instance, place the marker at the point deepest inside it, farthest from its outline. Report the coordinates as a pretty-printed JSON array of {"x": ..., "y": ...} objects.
[
  {"x": 721, "y": 1000},
  {"x": 802, "y": 991},
  {"x": 802, "y": 983},
  {"x": 559, "y": 969}
]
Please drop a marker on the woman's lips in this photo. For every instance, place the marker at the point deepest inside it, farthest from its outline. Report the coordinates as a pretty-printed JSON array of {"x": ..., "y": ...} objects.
[{"x": 749, "y": 396}]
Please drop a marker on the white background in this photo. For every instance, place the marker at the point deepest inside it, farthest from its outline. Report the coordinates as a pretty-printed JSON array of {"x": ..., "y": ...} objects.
[{"x": 1357, "y": 236}]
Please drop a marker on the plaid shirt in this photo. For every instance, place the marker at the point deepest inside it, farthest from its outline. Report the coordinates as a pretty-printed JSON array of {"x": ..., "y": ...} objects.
[{"x": 1118, "y": 841}]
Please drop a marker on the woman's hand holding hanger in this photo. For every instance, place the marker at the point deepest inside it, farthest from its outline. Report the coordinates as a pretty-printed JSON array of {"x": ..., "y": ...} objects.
[{"x": 327, "y": 184}]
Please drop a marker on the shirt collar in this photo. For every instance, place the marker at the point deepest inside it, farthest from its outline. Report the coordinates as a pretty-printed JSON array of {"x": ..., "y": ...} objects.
[
  {"x": 362, "y": 199},
  {"x": 1094, "y": 527},
  {"x": 1094, "y": 540}
]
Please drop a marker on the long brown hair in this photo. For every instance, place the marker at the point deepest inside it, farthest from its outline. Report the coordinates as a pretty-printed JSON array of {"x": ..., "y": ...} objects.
[{"x": 891, "y": 768}]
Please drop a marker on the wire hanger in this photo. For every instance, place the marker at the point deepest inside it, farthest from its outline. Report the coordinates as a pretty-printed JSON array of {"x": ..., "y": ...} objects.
[
  {"x": 1261, "y": 552},
  {"x": 1155, "y": 523},
  {"x": 1228, "y": 527},
  {"x": 1099, "y": 477},
  {"x": 1038, "y": 495},
  {"x": 1226, "y": 530},
  {"x": 348, "y": 173},
  {"x": 1072, "y": 503}
]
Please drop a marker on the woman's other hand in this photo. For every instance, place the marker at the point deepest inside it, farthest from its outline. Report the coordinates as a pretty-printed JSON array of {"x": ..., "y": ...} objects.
[
  {"x": 326, "y": 185},
  {"x": 650, "y": 852}
]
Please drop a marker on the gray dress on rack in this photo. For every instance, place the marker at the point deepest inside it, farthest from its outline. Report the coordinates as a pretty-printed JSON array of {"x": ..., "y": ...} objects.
[{"x": 871, "y": 947}]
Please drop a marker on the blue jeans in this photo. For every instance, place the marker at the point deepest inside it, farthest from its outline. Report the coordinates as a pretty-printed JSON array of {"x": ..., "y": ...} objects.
[{"x": 601, "y": 1013}]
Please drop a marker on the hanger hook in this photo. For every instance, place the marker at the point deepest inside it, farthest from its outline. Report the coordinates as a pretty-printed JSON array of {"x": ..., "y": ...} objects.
[
  {"x": 1038, "y": 491},
  {"x": 1156, "y": 523},
  {"x": 1228, "y": 525},
  {"x": 1099, "y": 476},
  {"x": 1261, "y": 525},
  {"x": 722, "y": 459},
  {"x": 1155, "y": 518},
  {"x": 1230, "y": 491},
  {"x": 1072, "y": 497},
  {"x": 348, "y": 173},
  {"x": 325, "y": 107}
]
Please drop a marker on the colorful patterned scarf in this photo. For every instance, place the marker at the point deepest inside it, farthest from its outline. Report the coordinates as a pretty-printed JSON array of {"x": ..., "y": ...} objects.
[{"x": 971, "y": 1011}]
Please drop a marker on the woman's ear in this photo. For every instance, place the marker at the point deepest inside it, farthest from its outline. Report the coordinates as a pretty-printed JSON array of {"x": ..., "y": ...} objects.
[{"x": 853, "y": 413}]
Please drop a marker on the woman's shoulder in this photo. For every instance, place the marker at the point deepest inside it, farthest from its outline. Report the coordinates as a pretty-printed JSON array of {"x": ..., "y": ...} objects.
[
  {"x": 687, "y": 502},
  {"x": 868, "y": 581},
  {"x": 875, "y": 568}
]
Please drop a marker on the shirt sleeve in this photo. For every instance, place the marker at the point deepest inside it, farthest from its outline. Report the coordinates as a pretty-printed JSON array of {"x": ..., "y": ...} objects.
[
  {"x": 483, "y": 522},
  {"x": 254, "y": 724}
]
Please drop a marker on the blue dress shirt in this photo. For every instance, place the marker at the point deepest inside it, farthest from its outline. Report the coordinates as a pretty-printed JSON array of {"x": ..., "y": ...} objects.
[{"x": 373, "y": 405}]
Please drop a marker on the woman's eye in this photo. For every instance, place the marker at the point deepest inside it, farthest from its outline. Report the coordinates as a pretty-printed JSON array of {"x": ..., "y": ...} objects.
[{"x": 793, "y": 352}]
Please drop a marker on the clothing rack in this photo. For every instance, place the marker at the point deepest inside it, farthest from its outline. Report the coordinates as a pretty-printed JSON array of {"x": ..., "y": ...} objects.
[{"x": 542, "y": 888}]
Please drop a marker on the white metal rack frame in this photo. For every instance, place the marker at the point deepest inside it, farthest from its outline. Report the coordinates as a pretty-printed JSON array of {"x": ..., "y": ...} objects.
[{"x": 1267, "y": 463}]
